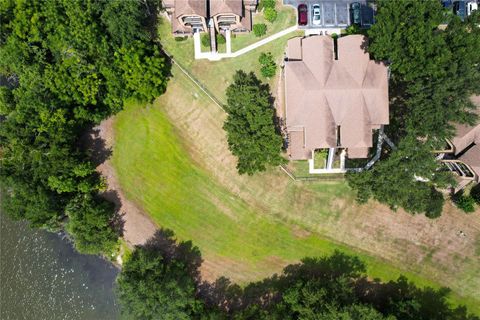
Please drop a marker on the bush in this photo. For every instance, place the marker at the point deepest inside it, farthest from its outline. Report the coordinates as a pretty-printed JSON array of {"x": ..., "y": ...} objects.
[
  {"x": 259, "y": 29},
  {"x": 270, "y": 14},
  {"x": 465, "y": 203},
  {"x": 221, "y": 39},
  {"x": 205, "y": 40},
  {"x": 475, "y": 193},
  {"x": 269, "y": 67},
  {"x": 179, "y": 39},
  {"x": 267, "y": 4}
]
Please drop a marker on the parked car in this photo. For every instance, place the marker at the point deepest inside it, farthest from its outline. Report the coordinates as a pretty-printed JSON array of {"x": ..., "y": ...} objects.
[
  {"x": 317, "y": 19},
  {"x": 356, "y": 11},
  {"x": 302, "y": 14},
  {"x": 460, "y": 9},
  {"x": 471, "y": 6}
]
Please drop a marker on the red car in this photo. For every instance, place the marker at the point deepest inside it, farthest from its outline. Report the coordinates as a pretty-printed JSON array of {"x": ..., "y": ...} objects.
[{"x": 302, "y": 14}]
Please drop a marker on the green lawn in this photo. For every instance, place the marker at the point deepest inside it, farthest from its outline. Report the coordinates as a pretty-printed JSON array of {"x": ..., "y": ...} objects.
[
  {"x": 171, "y": 159},
  {"x": 156, "y": 171},
  {"x": 285, "y": 19},
  {"x": 216, "y": 76}
]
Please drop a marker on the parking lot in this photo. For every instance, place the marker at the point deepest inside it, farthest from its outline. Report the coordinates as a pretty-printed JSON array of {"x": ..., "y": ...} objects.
[{"x": 334, "y": 13}]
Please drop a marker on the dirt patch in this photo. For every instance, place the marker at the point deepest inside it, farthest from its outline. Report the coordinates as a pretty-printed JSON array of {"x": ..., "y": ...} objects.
[{"x": 137, "y": 227}]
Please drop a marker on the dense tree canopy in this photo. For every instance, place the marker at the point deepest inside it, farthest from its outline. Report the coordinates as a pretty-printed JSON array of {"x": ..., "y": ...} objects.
[
  {"x": 153, "y": 286},
  {"x": 65, "y": 65},
  {"x": 90, "y": 224},
  {"x": 250, "y": 125},
  {"x": 433, "y": 74}
]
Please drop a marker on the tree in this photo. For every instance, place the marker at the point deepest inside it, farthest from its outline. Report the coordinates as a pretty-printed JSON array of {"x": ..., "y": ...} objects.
[
  {"x": 144, "y": 70},
  {"x": 153, "y": 287},
  {"x": 270, "y": 14},
  {"x": 250, "y": 124},
  {"x": 475, "y": 193},
  {"x": 405, "y": 33},
  {"x": 269, "y": 67},
  {"x": 64, "y": 66},
  {"x": 464, "y": 202},
  {"x": 90, "y": 225},
  {"x": 407, "y": 179},
  {"x": 123, "y": 20},
  {"x": 433, "y": 74},
  {"x": 259, "y": 29}
]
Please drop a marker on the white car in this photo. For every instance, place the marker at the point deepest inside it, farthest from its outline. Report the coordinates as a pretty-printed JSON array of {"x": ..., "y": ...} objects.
[
  {"x": 471, "y": 6},
  {"x": 316, "y": 19}
]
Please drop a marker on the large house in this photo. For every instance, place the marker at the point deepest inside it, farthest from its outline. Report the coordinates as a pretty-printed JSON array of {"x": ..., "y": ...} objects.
[
  {"x": 335, "y": 96},
  {"x": 190, "y": 16},
  {"x": 463, "y": 154}
]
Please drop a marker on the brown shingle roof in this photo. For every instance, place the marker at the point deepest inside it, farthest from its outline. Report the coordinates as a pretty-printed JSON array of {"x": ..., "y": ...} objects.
[
  {"x": 189, "y": 7},
  {"x": 466, "y": 134},
  {"x": 226, "y": 6},
  {"x": 472, "y": 158},
  {"x": 323, "y": 93}
]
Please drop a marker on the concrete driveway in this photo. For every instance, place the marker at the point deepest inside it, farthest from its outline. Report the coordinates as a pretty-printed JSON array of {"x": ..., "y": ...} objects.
[{"x": 334, "y": 13}]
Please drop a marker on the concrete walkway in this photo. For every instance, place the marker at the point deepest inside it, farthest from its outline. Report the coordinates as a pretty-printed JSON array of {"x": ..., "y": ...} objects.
[{"x": 214, "y": 56}]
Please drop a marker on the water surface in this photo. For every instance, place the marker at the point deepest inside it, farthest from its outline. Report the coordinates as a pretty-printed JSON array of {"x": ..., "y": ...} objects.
[{"x": 42, "y": 277}]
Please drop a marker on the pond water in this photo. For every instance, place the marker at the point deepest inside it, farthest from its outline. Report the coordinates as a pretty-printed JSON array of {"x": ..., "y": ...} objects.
[{"x": 42, "y": 277}]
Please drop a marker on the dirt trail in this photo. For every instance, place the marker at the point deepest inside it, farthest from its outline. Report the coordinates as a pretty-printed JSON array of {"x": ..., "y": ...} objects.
[{"x": 138, "y": 227}]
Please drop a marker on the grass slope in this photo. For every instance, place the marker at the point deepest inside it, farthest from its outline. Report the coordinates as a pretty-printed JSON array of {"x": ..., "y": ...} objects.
[
  {"x": 172, "y": 159},
  {"x": 157, "y": 171}
]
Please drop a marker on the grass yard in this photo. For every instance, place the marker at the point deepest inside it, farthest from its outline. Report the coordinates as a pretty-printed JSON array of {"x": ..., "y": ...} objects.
[
  {"x": 217, "y": 76},
  {"x": 285, "y": 19},
  {"x": 172, "y": 160}
]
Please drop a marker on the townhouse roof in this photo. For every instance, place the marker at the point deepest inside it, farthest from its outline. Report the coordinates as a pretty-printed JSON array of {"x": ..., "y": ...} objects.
[
  {"x": 190, "y": 7},
  {"x": 226, "y": 6},
  {"x": 467, "y": 134},
  {"x": 467, "y": 141},
  {"x": 325, "y": 94}
]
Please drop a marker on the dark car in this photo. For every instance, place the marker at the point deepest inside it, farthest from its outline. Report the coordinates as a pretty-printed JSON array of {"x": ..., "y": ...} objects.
[
  {"x": 460, "y": 9},
  {"x": 302, "y": 14},
  {"x": 356, "y": 13}
]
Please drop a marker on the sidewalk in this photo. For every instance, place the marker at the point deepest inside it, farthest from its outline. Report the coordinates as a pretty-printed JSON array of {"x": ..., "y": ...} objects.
[{"x": 218, "y": 56}]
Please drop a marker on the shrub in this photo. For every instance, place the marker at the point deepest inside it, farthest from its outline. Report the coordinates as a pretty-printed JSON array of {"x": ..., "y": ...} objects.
[
  {"x": 267, "y": 3},
  {"x": 475, "y": 193},
  {"x": 270, "y": 14},
  {"x": 205, "y": 40},
  {"x": 259, "y": 29},
  {"x": 465, "y": 203},
  {"x": 221, "y": 39},
  {"x": 269, "y": 67},
  {"x": 180, "y": 39}
]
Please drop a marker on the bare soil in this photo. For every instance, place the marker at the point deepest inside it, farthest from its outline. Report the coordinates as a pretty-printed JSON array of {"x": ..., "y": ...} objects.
[{"x": 138, "y": 227}]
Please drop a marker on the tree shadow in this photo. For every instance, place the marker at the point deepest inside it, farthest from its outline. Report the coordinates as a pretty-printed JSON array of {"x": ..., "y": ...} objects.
[
  {"x": 95, "y": 146},
  {"x": 165, "y": 243},
  {"x": 231, "y": 298},
  {"x": 404, "y": 299},
  {"x": 117, "y": 222}
]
